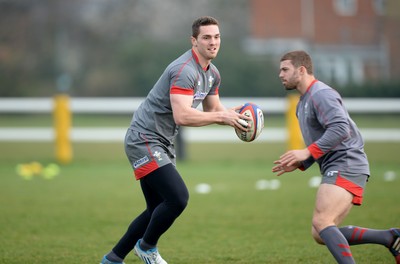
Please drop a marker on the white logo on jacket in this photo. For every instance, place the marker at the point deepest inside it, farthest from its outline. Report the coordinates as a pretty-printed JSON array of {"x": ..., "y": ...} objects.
[
  {"x": 157, "y": 154},
  {"x": 210, "y": 81}
]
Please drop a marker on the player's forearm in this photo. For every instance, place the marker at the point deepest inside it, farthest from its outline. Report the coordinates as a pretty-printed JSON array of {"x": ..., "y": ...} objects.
[
  {"x": 217, "y": 108},
  {"x": 196, "y": 118},
  {"x": 332, "y": 137}
]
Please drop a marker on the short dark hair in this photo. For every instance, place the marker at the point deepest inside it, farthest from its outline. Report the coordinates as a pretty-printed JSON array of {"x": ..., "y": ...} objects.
[
  {"x": 202, "y": 21},
  {"x": 299, "y": 58}
]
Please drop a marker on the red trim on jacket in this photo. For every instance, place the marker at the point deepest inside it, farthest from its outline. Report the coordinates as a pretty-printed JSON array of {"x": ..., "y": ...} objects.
[
  {"x": 195, "y": 56},
  {"x": 311, "y": 84},
  {"x": 180, "y": 90},
  {"x": 316, "y": 152}
]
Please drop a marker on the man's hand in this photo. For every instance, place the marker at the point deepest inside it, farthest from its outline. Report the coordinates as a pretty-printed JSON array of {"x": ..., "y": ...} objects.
[
  {"x": 238, "y": 121},
  {"x": 281, "y": 169},
  {"x": 290, "y": 161}
]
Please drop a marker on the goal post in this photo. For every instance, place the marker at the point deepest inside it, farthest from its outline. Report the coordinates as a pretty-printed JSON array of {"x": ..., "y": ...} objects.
[
  {"x": 294, "y": 137},
  {"x": 62, "y": 127}
]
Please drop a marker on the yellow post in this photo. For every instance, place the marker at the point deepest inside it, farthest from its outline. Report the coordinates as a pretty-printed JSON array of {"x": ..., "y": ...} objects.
[
  {"x": 62, "y": 125},
  {"x": 295, "y": 139}
]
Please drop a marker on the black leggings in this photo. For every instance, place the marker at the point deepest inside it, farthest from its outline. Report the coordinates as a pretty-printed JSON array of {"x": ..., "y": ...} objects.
[{"x": 166, "y": 197}]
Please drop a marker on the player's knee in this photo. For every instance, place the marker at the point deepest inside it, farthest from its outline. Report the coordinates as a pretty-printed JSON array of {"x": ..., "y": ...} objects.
[
  {"x": 316, "y": 237},
  {"x": 179, "y": 204},
  {"x": 318, "y": 223},
  {"x": 183, "y": 202},
  {"x": 319, "y": 240}
]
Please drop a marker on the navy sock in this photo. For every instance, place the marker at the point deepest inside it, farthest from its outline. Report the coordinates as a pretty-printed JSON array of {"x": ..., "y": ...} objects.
[
  {"x": 337, "y": 244},
  {"x": 358, "y": 235},
  {"x": 113, "y": 257},
  {"x": 145, "y": 246}
]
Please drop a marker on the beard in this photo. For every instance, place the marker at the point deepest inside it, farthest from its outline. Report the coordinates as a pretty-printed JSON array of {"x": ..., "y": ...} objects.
[{"x": 289, "y": 86}]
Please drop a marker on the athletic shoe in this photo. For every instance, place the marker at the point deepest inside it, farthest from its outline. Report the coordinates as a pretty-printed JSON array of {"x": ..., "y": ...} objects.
[
  {"x": 150, "y": 256},
  {"x": 106, "y": 261},
  {"x": 395, "y": 246}
]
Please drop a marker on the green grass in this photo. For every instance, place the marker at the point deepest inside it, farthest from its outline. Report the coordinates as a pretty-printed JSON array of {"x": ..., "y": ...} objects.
[{"x": 79, "y": 215}]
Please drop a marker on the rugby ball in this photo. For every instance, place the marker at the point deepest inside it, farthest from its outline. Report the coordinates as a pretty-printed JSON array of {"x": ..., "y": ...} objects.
[{"x": 256, "y": 121}]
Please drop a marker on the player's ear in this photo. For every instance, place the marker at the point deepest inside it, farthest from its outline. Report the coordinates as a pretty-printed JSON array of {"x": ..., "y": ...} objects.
[
  {"x": 194, "y": 41},
  {"x": 302, "y": 70}
]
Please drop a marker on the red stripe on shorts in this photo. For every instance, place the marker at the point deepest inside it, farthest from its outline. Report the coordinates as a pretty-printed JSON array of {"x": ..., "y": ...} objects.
[
  {"x": 146, "y": 169},
  {"x": 356, "y": 190}
]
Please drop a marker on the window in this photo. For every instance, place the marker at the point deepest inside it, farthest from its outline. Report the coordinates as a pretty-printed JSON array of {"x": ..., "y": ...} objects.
[
  {"x": 379, "y": 6},
  {"x": 345, "y": 7}
]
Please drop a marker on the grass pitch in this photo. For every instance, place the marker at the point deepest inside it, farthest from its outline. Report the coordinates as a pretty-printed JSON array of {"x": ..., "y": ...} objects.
[{"x": 80, "y": 214}]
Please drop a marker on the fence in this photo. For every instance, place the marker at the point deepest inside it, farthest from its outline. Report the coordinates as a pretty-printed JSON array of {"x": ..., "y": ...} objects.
[{"x": 221, "y": 134}]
